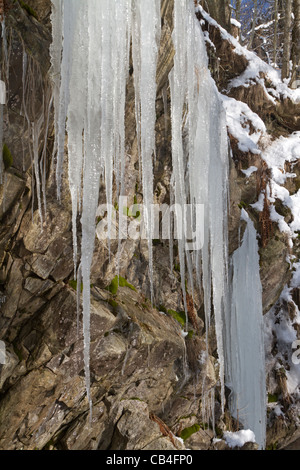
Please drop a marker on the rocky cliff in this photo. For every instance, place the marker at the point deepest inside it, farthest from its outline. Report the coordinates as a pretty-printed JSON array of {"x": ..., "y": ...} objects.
[{"x": 148, "y": 385}]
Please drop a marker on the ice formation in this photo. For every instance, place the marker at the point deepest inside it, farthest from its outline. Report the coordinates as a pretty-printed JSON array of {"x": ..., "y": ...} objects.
[
  {"x": 3, "y": 81},
  {"x": 244, "y": 330},
  {"x": 89, "y": 72},
  {"x": 90, "y": 63},
  {"x": 204, "y": 159}
]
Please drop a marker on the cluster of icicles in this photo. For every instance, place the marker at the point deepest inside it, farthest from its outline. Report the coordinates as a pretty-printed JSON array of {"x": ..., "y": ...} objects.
[{"x": 90, "y": 56}]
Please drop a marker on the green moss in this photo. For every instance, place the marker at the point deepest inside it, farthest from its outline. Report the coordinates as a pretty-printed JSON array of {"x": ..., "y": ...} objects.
[
  {"x": 272, "y": 398},
  {"x": 204, "y": 426},
  {"x": 179, "y": 316},
  {"x": 188, "y": 432},
  {"x": 73, "y": 284},
  {"x": 162, "y": 308},
  {"x": 112, "y": 303},
  {"x": 272, "y": 446},
  {"x": 119, "y": 281},
  {"x": 18, "y": 353},
  {"x": 113, "y": 286},
  {"x": 242, "y": 205},
  {"x": 7, "y": 157},
  {"x": 29, "y": 10},
  {"x": 135, "y": 214},
  {"x": 126, "y": 211},
  {"x": 177, "y": 267},
  {"x": 130, "y": 213}
]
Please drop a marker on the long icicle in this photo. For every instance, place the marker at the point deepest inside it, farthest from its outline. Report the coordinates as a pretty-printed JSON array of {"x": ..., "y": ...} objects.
[
  {"x": 200, "y": 164},
  {"x": 145, "y": 44}
]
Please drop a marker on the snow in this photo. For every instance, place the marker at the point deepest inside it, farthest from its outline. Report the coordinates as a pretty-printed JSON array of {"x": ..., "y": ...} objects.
[
  {"x": 280, "y": 151},
  {"x": 239, "y": 438},
  {"x": 283, "y": 149},
  {"x": 249, "y": 171},
  {"x": 280, "y": 329},
  {"x": 239, "y": 117},
  {"x": 235, "y": 23},
  {"x": 255, "y": 68}
]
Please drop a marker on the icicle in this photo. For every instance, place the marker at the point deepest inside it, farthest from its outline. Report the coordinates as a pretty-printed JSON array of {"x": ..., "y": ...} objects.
[
  {"x": 36, "y": 132},
  {"x": 89, "y": 71},
  {"x": 200, "y": 164},
  {"x": 77, "y": 115},
  {"x": 55, "y": 55},
  {"x": 3, "y": 80},
  {"x": 78, "y": 295},
  {"x": 2, "y": 103},
  {"x": 245, "y": 361},
  {"x": 71, "y": 7},
  {"x": 43, "y": 162},
  {"x": 145, "y": 44}
]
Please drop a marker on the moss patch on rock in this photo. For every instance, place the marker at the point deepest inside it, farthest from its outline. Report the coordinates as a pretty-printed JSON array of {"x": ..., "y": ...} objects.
[
  {"x": 119, "y": 281},
  {"x": 7, "y": 157},
  {"x": 188, "y": 432},
  {"x": 179, "y": 316}
]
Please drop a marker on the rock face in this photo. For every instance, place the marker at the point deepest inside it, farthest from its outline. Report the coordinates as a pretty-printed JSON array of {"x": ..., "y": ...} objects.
[{"x": 148, "y": 382}]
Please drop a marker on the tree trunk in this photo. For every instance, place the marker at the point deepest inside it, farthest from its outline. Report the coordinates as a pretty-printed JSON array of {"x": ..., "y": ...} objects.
[
  {"x": 253, "y": 25},
  {"x": 238, "y": 10},
  {"x": 285, "y": 72},
  {"x": 275, "y": 32},
  {"x": 296, "y": 42},
  {"x": 220, "y": 11}
]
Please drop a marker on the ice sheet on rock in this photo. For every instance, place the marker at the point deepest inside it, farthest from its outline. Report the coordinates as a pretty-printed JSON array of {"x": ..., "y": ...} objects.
[{"x": 245, "y": 358}]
